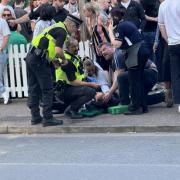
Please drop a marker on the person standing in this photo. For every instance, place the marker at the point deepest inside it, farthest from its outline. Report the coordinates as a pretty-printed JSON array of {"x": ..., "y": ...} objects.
[
  {"x": 46, "y": 47},
  {"x": 4, "y": 36},
  {"x": 19, "y": 12},
  {"x": 168, "y": 20},
  {"x": 3, "y": 5},
  {"x": 72, "y": 7}
]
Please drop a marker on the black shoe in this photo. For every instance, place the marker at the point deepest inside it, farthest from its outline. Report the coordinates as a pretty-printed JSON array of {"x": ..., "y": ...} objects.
[
  {"x": 145, "y": 109},
  {"x": 72, "y": 114},
  {"x": 138, "y": 111},
  {"x": 51, "y": 122},
  {"x": 35, "y": 121}
]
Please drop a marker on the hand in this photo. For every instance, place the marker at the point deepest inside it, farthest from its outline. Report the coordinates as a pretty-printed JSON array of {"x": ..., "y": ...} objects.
[
  {"x": 12, "y": 22},
  {"x": 99, "y": 96},
  {"x": 95, "y": 86},
  {"x": 155, "y": 46},
  {"x": 56, "y": 63},
  {"x": 107, "y": 96}
]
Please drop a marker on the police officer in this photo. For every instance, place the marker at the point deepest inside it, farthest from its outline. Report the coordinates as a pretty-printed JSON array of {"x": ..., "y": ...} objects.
[
  {"x": 45, "y": 48},
  {"x": 70, "y": 75}
]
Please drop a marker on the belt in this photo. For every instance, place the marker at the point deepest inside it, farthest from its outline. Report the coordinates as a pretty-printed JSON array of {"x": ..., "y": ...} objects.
[{"x": 38, "y": 52}]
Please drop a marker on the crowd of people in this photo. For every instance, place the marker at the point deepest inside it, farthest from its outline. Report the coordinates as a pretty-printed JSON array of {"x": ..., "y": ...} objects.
[{"x": 135, "y": 59}]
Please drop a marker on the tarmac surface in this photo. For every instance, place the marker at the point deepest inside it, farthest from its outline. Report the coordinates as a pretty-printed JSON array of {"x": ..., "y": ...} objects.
[
  {"x": 129, "y": 156},
  {"x": 15, "y": 118}
]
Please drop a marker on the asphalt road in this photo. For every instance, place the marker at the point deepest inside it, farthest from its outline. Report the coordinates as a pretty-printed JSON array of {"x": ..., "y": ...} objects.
[{"x": 90, "y": 157}]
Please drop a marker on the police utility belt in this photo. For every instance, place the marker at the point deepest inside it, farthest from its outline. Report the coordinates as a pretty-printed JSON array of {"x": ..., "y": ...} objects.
[{"x": 38, "y": 52}]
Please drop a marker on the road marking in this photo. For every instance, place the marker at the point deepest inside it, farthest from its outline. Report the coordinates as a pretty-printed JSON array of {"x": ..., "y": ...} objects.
[{"x": 91, "y": 165}]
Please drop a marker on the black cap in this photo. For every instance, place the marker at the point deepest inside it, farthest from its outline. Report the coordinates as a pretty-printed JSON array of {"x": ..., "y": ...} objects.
[{"x": 74, "y": 19}]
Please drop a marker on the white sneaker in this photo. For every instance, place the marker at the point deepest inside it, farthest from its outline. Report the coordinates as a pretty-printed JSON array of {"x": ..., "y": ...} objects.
[{"x": 5, "y": 96}]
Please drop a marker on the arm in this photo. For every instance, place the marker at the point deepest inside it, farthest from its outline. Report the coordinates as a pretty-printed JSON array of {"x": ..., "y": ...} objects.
[
  {"x": 102, "y": 81},
  {"x": 153, "y": 19},
  {"x": 156, "y": 42},
  {"x": 70, "y": 70},
  {"x": 5, "y": 41},
  {"x": 115, "y": 43},
  {"x": 60, "y": 35},
  {"x": 60, "y": 54},
  {"x": 142, "y": 17},
  {"x": 27, "y": 17},
  {"x": 113, "y": 88},
  {"x": 163, "y": 32},
  {"x": 161, "y": 22},
  {"x": 22, "y": 19},
  {"x": 82, "y": 83}
]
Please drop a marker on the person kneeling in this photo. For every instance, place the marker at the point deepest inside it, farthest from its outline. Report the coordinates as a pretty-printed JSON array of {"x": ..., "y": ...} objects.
[{"x": 75, "y": 91}]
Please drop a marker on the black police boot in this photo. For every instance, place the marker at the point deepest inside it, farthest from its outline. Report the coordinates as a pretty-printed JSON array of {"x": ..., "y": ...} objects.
[
  {"x": 36, "y": 120},
  {"x": 132, "y": 110},
  {"x": 138, "y": 111},
  {"x": 72, "y": 114},
  {"x": 51, "y": 122}
]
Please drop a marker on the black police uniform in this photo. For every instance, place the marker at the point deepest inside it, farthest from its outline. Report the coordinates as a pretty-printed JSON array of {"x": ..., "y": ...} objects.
[
  {"x": 40, "y": 81},
  {"x": 75, "y": 96}
]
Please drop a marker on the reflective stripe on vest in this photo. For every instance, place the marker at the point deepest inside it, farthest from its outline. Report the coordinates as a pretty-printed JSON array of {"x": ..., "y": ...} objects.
[
  {"x": 61, "y": 75},
  {"x": 52, "y": 42}
]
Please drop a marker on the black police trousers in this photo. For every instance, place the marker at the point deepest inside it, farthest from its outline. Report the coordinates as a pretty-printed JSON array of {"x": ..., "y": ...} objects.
[
  {"x": 40, "y": 86},
  {"x": 136, "y": 79},
  {"x": 76, "y": 96}
]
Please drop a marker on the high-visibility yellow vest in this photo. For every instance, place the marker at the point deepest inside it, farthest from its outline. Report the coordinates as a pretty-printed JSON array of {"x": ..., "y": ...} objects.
[
  {"x": 52, "y": 42},
  {"x": 61, "y": 75}
]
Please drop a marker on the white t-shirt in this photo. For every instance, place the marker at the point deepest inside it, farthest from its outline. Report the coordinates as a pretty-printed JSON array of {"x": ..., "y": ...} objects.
[
  {"x": 126, "y": 4},
  {"x": 169, "y": 16},
  {"x": 71, "y": 8},
  {"x": 4, "y": 30},
  {"x": 2, "y": 7},
  {"x": 41, "y": 25}
]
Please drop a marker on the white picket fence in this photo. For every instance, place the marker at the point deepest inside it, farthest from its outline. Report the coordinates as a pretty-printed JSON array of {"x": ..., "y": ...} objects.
[{"x": 15, "y": 75}]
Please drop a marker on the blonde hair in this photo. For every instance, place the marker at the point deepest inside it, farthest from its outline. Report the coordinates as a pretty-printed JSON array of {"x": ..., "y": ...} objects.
[{"x": 91, "y": 7}]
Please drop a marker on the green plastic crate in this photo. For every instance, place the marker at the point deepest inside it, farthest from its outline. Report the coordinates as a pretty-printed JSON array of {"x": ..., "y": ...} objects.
[
  {"x": 118, "y": 109},
  {"x": 92, "y": 113}
]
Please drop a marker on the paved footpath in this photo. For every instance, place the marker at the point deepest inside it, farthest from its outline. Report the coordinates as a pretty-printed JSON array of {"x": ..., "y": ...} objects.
[{"x": 15, "y": 118}]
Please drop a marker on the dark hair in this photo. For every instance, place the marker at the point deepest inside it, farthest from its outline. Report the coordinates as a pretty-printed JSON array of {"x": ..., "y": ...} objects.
[
  {"x": 117, "y": 15},
  {"x": 31, "y": 5},
  {"x": 12, "y": 28},
  {"x": 18, "y": 2},
  {"x": 47, "y": 12},
  {"x": 7, "y": 9}
]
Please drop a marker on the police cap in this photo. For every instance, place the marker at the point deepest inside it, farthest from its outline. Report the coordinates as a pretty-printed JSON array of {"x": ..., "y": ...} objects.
[{"x": 74, "y": 19}]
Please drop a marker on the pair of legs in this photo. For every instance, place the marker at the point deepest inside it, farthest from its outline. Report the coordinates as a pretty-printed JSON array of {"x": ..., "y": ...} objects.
[
  {"x": 175, "y": 72},
  {"x": 40, "y": 88},
  {"x": 150, "y": 79},
  {"x": 76, "y": 97}
]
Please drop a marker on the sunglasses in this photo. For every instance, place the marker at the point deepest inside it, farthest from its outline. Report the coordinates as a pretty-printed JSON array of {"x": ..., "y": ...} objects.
[{"x": 8, "y": 15}]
